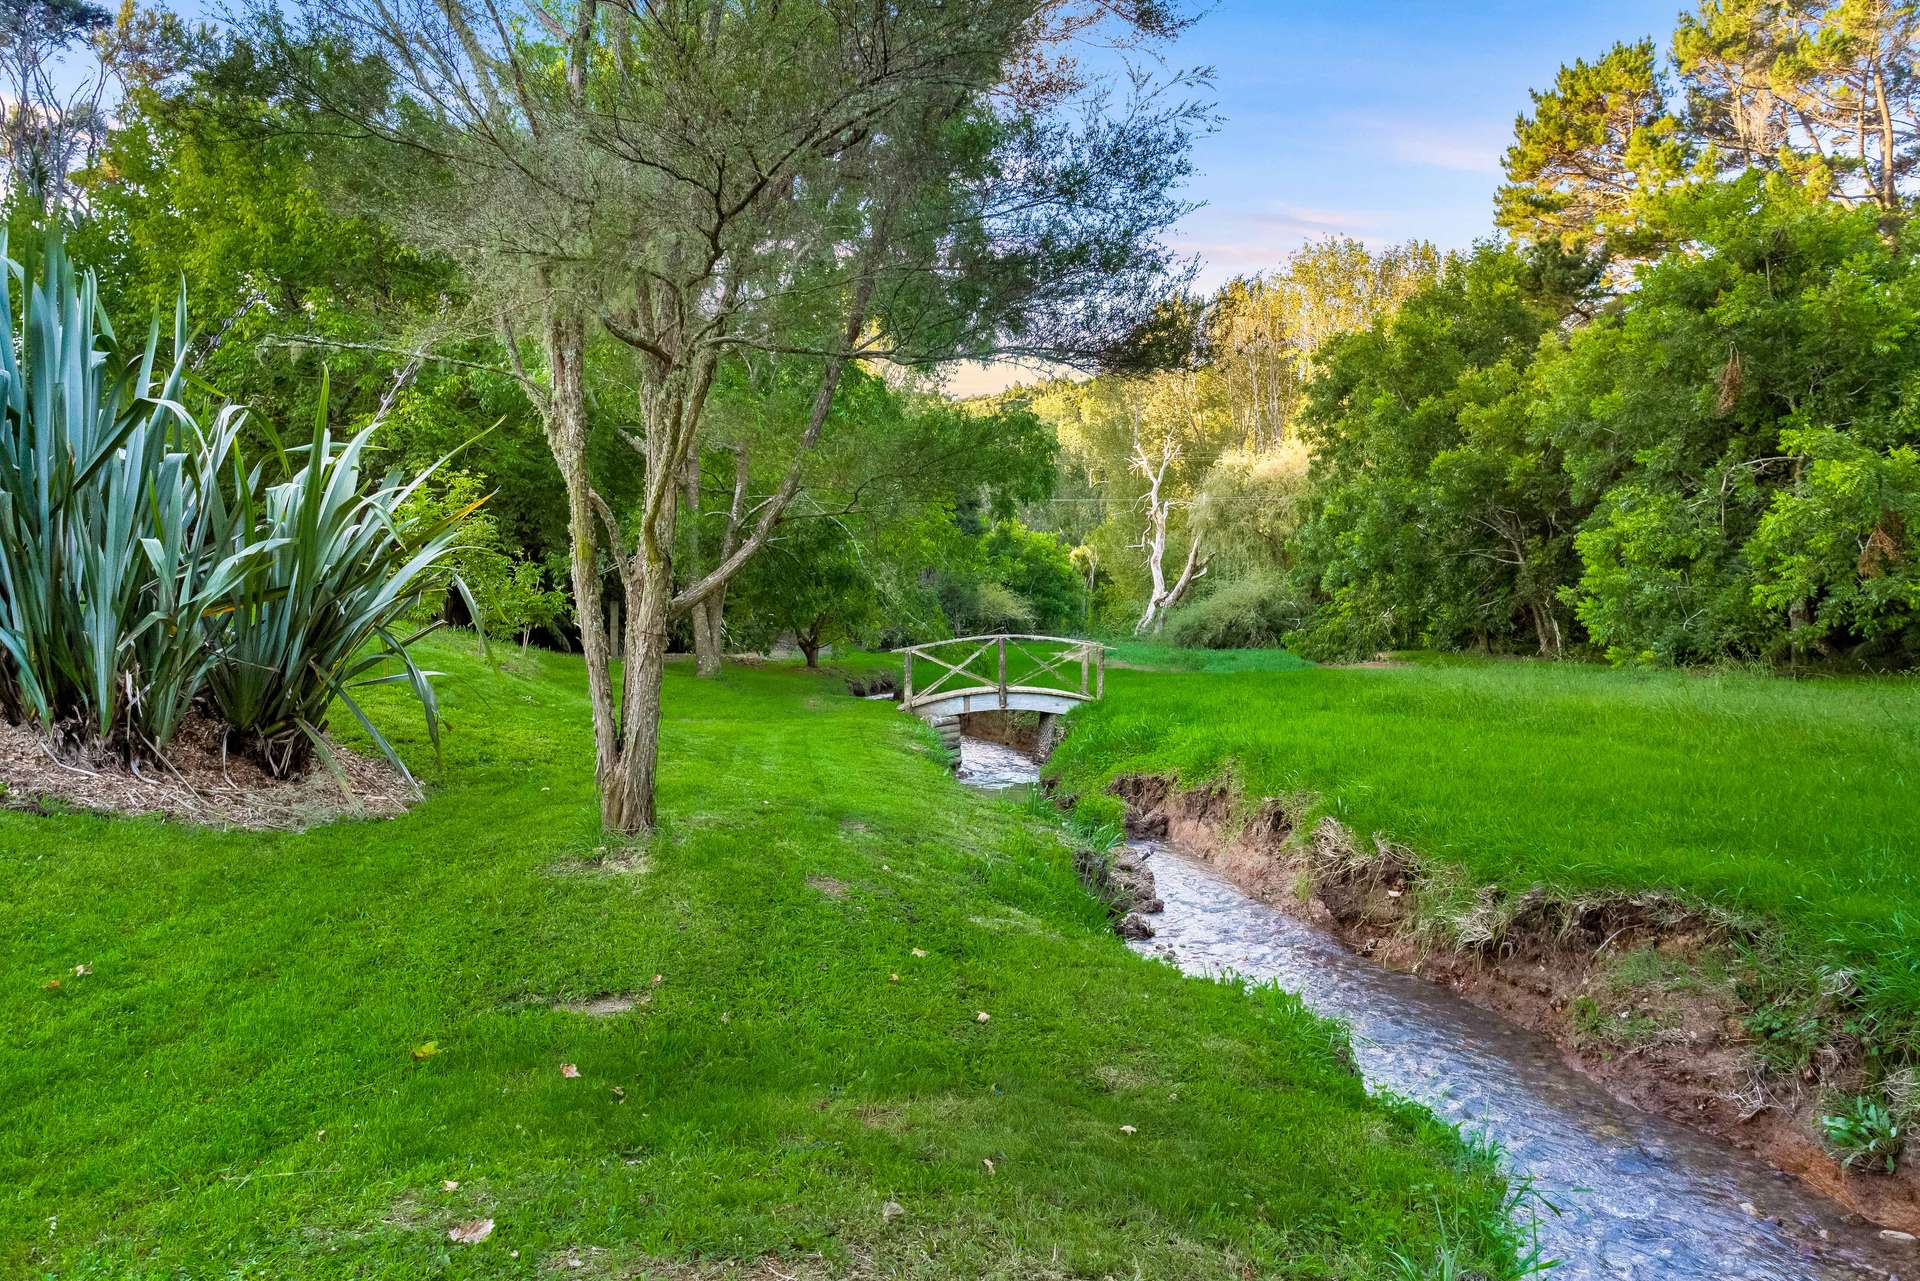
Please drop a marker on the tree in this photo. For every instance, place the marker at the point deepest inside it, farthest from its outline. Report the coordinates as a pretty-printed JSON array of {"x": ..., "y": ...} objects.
[
  {"x": 1596, "y": 146},
  {"x": 1823, "y": 89},
  {"x": 1250, "y": 504},
  {"x": 814, "y": 585},
  {"x": 49, "y": 130},
  {"x": 1149, "y": 439},
  {"x": 210, "y": 179},
  {"x": 1838, "y": 554},
  {"x": 919, "y": 499},
  {"x": 688, "y": 179},
  {"x": 1436, "y": 515},
  {"x": 1711, "y": 427},
  {"x": 1265, "y": 330},
  {"x": 61, "y": 61}
]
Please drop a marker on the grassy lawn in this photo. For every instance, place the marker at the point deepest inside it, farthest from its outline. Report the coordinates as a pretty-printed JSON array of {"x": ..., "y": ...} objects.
[
  {"x": 1154, "y": 656},
  {"x": 1792, "y": 803},
  {"x": 290, "y": 1047}
]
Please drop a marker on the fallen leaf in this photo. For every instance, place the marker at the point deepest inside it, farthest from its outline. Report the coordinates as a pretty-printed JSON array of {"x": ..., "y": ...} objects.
[
  {"x": 619, "y": 1095},
  {"x": 1127, "y": 1129},
  {"x": 982, "y": 1017},
  {"x": 919, "y": 951},
  {"x": 52, "y": 984},
  {"x": 81, "y": 971},
  {"x": 425, "y": 1050},
  {"x": 726, "y": 1016},
  {"x": 891, "y": 1211},
  {"x": 569, "y": 1071},
  {"x": 449, "y": 1185},
  {"x": 321, "y": 1135},
  {"x": 658, "y": 979},
  {"x": 893, "y": 978},
  {"x": 988, "y": 1162},
  {"x": 472, "y": 1232}
]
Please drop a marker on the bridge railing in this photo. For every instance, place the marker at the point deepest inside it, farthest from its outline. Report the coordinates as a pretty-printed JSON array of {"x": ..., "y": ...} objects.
[{"x": 1004, "y": 666}]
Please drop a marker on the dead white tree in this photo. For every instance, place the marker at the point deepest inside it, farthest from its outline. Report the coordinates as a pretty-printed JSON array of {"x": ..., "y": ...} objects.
[{"x": 1155, "y": 456}]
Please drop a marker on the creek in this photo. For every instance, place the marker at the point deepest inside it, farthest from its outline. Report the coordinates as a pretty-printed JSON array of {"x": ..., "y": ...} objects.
[{"x": 1623, "y": 1194}]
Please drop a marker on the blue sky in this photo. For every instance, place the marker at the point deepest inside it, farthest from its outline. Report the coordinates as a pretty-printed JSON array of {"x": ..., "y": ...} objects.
[{"x": 1381, "y": 119}]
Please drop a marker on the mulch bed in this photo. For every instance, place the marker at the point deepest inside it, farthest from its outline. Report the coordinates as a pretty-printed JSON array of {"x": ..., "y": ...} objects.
[{"x": 197, "y": 783}]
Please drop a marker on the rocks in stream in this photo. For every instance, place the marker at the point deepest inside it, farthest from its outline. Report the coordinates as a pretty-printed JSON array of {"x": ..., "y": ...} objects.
[
  {"x": 873, "y": 685},
  {"x": 1122, "y": 879}
]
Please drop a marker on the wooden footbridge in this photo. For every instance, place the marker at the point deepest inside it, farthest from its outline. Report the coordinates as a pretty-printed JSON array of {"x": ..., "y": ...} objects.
[{"x": 1001, "y": 673}]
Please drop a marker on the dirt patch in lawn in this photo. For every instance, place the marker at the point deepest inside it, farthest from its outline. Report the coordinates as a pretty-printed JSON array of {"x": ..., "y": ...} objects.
[
  {"x": 1631, "y": 987},
  {"x": 606, "y": 1005},
  {"x": 830, "y": 886},
  {"x": 199, "y": 781}
]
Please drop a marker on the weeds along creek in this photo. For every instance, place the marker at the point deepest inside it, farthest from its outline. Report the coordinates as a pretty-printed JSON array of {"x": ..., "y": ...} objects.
[{"x": 1613, "y": 1192}]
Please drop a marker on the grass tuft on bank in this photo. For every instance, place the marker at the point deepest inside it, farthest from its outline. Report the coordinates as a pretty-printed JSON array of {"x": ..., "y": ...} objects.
[
  {"x": 316, "y": 1054},
  {"x": 1789, "y": 804}
]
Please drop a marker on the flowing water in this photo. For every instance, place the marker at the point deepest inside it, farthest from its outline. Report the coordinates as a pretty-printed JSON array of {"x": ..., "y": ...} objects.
[
  {"x": 995, "y": 766},
  {"x": 1637, "y": 1196}
]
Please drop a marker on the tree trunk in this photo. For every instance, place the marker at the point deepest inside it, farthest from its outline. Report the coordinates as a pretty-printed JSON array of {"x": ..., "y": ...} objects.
[
  {"x": 1546, "y": 628},
  {"x": 706, "y": 614},
  {"x": 1164, "y": 598},
  {"x": 627, "y": 792},
  {"x": 566, "y": 423},
  {"x": 707, "y": 619},
  {"x": 811, "y": 648}
]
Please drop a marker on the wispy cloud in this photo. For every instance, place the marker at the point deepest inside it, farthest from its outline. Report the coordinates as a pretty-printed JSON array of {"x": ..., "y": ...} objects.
[
  {"x": 1231, "y": 242},
  {"x": 1463, "y": 146}
]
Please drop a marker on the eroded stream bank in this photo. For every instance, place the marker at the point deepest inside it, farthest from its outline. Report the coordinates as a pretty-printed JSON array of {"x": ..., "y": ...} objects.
[{"x": 1637, "y": 1196}]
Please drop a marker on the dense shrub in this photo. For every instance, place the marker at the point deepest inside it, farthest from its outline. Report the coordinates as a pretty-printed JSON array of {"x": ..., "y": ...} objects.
[
  {"x": 1716, "y": 465},
  {"x": 1254, "y": 612}
]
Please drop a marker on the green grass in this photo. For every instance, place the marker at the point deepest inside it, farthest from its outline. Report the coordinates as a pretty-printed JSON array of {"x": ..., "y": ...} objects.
[
  {"x": 1154, "y": 656},
  {"x": 233, "y": 1090},
  {"x": 1793, "y": 804}
]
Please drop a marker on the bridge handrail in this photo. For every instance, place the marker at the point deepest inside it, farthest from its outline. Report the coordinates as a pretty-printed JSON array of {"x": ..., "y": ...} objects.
[
  {"x": 1089, "y": 655},
  {"x": 956, "y": 640}
]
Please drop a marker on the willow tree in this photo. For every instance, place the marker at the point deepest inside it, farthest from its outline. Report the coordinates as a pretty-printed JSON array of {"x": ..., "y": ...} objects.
[{"x": 836, "y": 181}]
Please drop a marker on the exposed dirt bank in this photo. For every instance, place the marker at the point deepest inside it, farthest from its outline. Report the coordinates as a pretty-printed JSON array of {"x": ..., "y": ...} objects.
[
  {"x": 1027, "y": 732},
  {"x": 1630, "y": 988}
]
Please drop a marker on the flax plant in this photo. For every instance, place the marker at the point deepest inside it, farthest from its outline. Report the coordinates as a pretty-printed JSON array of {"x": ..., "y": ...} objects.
[
  {"x": 145, "y": 566},
  {"x": 317, "y": 614}
]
